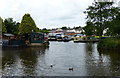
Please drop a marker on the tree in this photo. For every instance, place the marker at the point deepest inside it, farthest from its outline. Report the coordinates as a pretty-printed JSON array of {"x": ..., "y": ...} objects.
[
  {"x": 79, "y": 27},
  {"x": 11, "y": 26},
  {"x": 16, "y": 27},
  {"x": 2, "y": 26},
  {"x": 27, "y": 25},
  {"x": 44, "y": 29},
  {"x": 115, "y": 26},
  {"x": 64, "y": 28},
  {"x": 89, "y": 29},
  {"x": 101, "y": 13}
]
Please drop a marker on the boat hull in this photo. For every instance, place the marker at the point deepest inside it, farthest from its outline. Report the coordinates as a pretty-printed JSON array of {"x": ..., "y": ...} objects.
[{"x": 87, "y": 41}]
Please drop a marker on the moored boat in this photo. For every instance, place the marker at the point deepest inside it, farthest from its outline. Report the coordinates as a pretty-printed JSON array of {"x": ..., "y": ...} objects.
[
  {"x": 85, "y": 40},
  {"x": 13, "y": 43},
  {"x": 66, "y": 39},
  {"x": 35, "y": 39},
  {"x": 52, "y": 37}
]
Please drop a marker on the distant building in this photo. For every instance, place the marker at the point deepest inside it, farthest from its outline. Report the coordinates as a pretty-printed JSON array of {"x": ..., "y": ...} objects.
[
  {"x": 59, "y": 30},
  {"x": 56, "y": 31},
  {"x": 79, "y": 30},
  {"x": 68, "y": 32}
]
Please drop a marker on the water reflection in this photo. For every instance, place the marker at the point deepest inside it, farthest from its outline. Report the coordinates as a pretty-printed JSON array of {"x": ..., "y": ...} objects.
[
  {"x": 95, "y": 64},
  {"x": 101, "y": 63},
  {"x": 20, "y": 61},
  {"x": 83, "y": 57},
  {"x": 114, "y": 57}
]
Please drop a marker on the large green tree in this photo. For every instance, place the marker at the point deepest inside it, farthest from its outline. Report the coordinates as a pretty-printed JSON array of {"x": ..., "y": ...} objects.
[
  {"x": 27, "y": 25},
  {"x": 115, "y": 26},
  {"x": 2, "y": 26},
  {"x": 101, "y": 13},
  {"x": 11, "y": 26},
  {"x": 89, "y": 29}
]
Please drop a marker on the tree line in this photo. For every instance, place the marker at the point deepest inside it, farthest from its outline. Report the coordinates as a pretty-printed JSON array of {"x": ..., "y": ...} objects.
[{"x": 26, "y": 26}]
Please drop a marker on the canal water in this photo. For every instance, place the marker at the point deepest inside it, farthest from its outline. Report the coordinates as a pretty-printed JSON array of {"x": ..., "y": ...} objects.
[{"x": 82, "y": 57}]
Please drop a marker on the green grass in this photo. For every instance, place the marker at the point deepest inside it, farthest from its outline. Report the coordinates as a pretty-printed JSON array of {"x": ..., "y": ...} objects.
[{"x": 109, "y": 43}]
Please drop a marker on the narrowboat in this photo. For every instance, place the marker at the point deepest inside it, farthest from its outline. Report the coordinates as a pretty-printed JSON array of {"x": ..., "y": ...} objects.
[
  {"x": 9, "y": 40},
  {"x": 38, "y": 39},
  {"x": 35, "y": 39},
  {"x": 59, "y": 37},
  {"x": 66, "y": 38},
  {"x": 85, "y": 39},
  {"x": 52, "y": 37}
]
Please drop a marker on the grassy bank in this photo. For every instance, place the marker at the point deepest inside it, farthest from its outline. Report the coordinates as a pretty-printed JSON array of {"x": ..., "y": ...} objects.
[{"x": 109, "y": 44}]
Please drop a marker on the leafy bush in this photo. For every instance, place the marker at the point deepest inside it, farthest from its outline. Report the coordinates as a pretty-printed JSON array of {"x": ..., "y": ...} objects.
[{"x": 109, "y": 43}]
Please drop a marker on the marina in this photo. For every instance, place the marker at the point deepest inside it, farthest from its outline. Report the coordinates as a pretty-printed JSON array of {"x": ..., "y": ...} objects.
[{"x": 60, "y": 38}]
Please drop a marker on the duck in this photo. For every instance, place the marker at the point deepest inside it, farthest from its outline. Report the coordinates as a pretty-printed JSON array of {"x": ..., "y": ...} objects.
[
  {"x": 71, "y": 69},
  {"x": 51, "y": 65}
]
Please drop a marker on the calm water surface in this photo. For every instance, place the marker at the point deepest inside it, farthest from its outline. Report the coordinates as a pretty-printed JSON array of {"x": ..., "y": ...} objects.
[{"x": 83, "y": 57}]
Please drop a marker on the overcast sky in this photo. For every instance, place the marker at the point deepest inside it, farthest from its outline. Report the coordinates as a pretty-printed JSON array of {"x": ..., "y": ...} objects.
[{"x": 47, "y": 13}]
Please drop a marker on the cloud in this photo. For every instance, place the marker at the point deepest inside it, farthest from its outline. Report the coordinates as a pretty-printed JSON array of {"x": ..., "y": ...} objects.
[{"x": 47, "y": 13}]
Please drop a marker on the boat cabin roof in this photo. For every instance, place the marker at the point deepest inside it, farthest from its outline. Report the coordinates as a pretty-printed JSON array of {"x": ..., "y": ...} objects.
[{"x": 8, "y": 35}]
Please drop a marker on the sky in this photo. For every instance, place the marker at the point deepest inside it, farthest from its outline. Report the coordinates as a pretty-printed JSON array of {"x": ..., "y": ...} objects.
[{"x": 47, "y": 13}]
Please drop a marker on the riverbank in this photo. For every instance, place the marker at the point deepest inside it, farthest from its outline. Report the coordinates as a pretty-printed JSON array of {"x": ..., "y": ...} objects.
[{"x": 109, "y": 44}]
